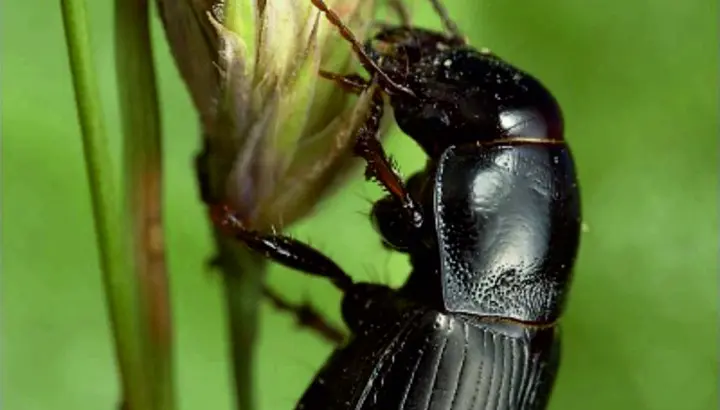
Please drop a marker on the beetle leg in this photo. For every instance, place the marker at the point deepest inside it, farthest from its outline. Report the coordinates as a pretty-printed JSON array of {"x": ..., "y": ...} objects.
[
  {"x": 379, "y": 166},
  {"x": 367, "y": 146},
  {"x": 352, "y": 83},
  {"x": 306, "y": 316},
  {"x": 282, "y": 249}
]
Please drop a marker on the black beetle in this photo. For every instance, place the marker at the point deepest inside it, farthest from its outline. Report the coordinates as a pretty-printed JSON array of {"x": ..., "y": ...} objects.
[{"x": 491, "y": 225}]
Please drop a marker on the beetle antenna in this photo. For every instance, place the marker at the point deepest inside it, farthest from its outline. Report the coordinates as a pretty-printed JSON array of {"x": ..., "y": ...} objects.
[
  {"x": 357, "y": 47},
  {"x": 450, "y": 25}
]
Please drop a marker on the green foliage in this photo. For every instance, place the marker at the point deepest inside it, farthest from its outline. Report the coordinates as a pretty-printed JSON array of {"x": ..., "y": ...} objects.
[{"x": 639, "y": 88}]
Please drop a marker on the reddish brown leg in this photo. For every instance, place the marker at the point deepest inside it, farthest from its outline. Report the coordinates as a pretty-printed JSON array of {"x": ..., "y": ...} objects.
[
  {"x": 379, "y": 166},
  {"x": 367, "y": 146},
  {"x": 307, "y": 317},
  {"x": 352, "y": 83}
]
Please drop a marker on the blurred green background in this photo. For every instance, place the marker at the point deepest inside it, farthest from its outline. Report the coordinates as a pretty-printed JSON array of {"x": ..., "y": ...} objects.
[{"x": 638, "y": 83}]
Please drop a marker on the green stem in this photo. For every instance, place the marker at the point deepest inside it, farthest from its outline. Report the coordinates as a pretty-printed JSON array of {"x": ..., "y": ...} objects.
[
  {"x": 143, "y": 178},
  {"x": 244, "y": 273},
  {"x": 120, "y": 287}
]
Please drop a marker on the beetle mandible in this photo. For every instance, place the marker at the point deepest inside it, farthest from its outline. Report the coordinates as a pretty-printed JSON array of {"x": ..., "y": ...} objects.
[{"x": 491, "y": 226}]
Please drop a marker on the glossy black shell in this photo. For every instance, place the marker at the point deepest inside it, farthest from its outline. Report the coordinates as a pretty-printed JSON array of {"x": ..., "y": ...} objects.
[
  {"x": 508, "y": 223},
  {"x": 423, "y": 359}
]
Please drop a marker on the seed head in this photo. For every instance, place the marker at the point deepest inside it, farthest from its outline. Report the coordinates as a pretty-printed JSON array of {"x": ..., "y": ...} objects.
[{"x": 277, "y": 137}]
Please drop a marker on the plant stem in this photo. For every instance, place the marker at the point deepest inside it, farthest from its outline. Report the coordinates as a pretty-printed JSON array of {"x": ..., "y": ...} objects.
[
  {"x": 143, "y": 178},
  {"x": 244, "y": 273},
  {"x": 120, "y": 286}
]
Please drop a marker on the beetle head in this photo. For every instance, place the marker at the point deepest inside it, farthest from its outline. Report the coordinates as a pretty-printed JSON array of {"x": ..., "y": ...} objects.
[{"x": 462, "y": 95}]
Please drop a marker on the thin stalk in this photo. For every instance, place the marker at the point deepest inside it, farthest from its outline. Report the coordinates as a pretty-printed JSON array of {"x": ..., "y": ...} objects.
[
  {"x": 244, "y": 273},
  {"x": 120, "y": 285},
  {"x": 143, "y": 177}
]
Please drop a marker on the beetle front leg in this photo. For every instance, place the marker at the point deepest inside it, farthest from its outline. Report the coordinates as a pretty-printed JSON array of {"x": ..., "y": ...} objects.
[
  {"x": 379, "y": 165},
  {"x": 367, "y": 146}
]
